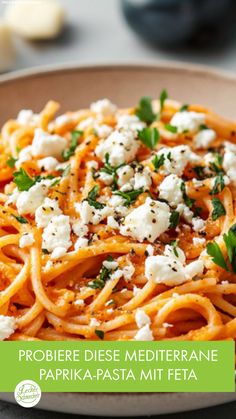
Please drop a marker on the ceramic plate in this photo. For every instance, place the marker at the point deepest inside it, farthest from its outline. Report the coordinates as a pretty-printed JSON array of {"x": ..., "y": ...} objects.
[{"x": 76, "y": 87}]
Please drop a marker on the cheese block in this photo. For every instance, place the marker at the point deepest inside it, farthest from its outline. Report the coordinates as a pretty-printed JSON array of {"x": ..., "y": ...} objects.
[
  {"x": 35, "y": 20},
  {"x": 7, "y": 50}
]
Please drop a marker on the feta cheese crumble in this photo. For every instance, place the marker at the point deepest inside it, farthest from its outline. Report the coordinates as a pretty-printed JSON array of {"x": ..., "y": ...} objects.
[
  {"x": 147, "y": 222},
  {"x": 45, "y": 212},
  {"x": 121, "y": 147},
  {"x": 204, "y": 138},
  {"x": 170, "y": 190},
  {"x": 141, "y": 318},
  {"x": 144, "y": 334},
  {"x": 170, "y": 269},
  {"x": 26, "y": 240},
  {"x": 187, "y": 121},
  {"x": 7, "y": 326},
  {"x": 57, "y": 233},
  {"x": 45, "y": 144}
]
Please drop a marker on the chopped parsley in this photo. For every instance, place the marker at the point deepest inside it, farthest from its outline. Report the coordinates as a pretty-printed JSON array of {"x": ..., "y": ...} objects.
[
  {"x": 65, "y": 172},
  {"x": 219, "y": 184},
  {"x": 11, "y": 162},
  {"x": 130, "y": 196},
  {"x": 199, "y": 170},
  {"x": 163, "y": 97},
  {"x": 21, "y": 219},
  {"x": 184, "y": 107},
  {"x": 22, "y": 180},
  {"x": 214, "y": 250},
  {"x": 68, "y": 152},
  {"x": 171, "y": 128},
  {"x": 218, "y": 209},
  {"x": 100, "y": 334},
  {"x": 203, "y": 127},
  {"x": 150, "y": 137},
  {"x": 188, "y": 201},
  {"x": 174, "y": 219},
  {"x": 174, "y": 245},
  {"x": 158, "y": 161},
  {"x": 144, "y": 110},
  {"x": 111, "y": 170},
  {"x": 91, "y": 198},
  {"x": 103, "y": 277}
]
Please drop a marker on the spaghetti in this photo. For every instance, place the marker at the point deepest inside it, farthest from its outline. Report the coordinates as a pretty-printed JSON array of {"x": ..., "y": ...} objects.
[{"x": 118, "y": 224}]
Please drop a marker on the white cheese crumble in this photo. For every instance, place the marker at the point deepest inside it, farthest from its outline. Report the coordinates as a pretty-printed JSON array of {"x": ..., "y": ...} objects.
[
  {"x": 170, "y": 269},
  {"x": 175, "y": 159},
  {"x": 204, "y": 138},
  {"x": 79, "y": 228},
  {"x": 28, "y": 201},
  {"x": 121, "y": 147},
  {"x": 111, "y": 222},
  {"x": 198, "y": 224},
  {"x": 187, "y": 121},
  {"x": 58, "y": 252},
  {"x": 48, "y": 163},
  {"x": 26, "y": 240},
  {"x": 125, "y": 174},
  {"x": 81, "y": 243},
  {"x": 229, "y": 161},
  {"x": 89, "y": 214},
  {"x": 147, "y": 222},
  {"x": 7, "y": 326},
  {"x": 144, "y": 334},
  {"x": 170, "y": 190},
  {"x": 45, "y": 212},
  {"x": 57, "y": 233},
  {"x": 141, "y": 318},
  {"x": 130, "y": 122},
  {"x": 45, "y": 144},
  {"x": 24, "y": 155},
  {"x": 111, "y": 265},
  {"x": 103, "y": 107},
  {"x": 27, "y": 117}
]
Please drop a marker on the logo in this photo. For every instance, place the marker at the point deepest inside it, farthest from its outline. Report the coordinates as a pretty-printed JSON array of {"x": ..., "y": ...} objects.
[{"x": 27, "y": 393}]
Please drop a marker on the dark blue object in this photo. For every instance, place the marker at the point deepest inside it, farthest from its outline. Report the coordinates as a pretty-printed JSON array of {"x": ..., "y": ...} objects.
[{"x": 176, "y": 22}]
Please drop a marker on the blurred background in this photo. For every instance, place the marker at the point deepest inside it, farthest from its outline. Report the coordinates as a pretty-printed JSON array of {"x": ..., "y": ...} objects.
[{"x": 44, "y": 32}]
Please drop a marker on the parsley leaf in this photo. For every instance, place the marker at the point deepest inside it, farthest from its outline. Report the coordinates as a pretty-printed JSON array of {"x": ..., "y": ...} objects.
[
  {"x": 65, "y": 172},
  {"x": 218, "y": 209},
  {"x": 171, "y": 128},
  {"x": 21, "y": 219},
  {"x": 144, "y": 111},
  {"x": 11, "y": 162},
  {"x": 199, "y": 170},
  {"x": 174, "y": 219},
  {"x": 174, "y": 245},
  {"x": 68, "y": 152},
  {"x": 184, "y": 107},
  {"x": 219, "y": 185},
  {"x": 111, "y": 170},
  {"x": 130, "y": 196},
  {"x": 230, "y": 242},
  {"x": 158, "y": 161},
  {"x": 214, "y": 250},
  {"x": 91, "y": 198},
  {"x": 163, "y": 97},
  {"x": 22, "y": 180},
  {"x": 100, "y": 334},
  {"x": 188, "y": 201},
  {"x": 103, "y": 277},
  {"x": 150, "y": 137},
  {"x": 203, "y": 127}
]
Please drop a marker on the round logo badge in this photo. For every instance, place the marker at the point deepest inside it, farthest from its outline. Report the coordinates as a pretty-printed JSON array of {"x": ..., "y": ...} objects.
[{"x": 27, "y": 393}]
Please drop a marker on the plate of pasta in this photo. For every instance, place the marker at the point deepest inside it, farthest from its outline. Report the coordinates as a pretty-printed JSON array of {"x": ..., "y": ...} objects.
[{"x": 117, "y": 213}]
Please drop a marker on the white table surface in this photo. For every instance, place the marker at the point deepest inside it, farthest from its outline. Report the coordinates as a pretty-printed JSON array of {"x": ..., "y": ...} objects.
[{"x": 97, "y": 33}]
